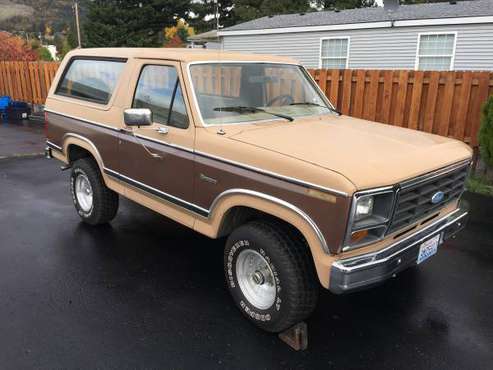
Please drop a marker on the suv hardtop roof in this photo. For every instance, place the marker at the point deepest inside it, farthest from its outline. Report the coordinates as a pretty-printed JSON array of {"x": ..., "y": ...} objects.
[{"x": 178, "y": 54}]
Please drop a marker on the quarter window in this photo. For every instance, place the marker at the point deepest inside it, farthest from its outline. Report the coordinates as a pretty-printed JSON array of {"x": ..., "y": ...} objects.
[
  {"x": 159, "y": 90},
  {"x": 334, "y": 53},
  {"x": 435, "y": 52},
  {"x": 92, "y": 80}
]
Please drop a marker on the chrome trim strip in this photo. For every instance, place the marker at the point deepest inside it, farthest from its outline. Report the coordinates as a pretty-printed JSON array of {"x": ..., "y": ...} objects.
[
  {"x": 339, "y": 264},
  {"x": 207, "y": 212},
  {"x": 431, "y": 175},
  {"x": 273, "y": 174},
  {"x": 83, "y": 120},
  {"x": 281, "y": 202},
  {"x": 166, "y": 196},
  {"x": 54, "y": 146},
  {"x": 164, "y": 143}
]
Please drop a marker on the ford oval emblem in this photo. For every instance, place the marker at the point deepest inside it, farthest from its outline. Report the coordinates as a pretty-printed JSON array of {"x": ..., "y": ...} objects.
[{"x": 437, "y": 197}]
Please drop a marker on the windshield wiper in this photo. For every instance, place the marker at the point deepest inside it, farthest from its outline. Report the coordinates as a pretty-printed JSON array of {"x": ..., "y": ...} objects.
[
  {"x": 242, "y": 109},
  {"x": 316, "y": 105}
]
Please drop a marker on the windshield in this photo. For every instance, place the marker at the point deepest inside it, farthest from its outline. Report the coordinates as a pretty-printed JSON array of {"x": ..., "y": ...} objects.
[{"x": 230, "y": 93}]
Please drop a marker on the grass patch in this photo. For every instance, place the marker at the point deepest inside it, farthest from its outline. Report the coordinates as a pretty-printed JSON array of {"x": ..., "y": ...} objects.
[{"x": 480, "y": 185}]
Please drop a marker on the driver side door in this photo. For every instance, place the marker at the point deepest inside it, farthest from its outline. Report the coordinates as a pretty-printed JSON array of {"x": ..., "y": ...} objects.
[{"x": 158, "y": 159}]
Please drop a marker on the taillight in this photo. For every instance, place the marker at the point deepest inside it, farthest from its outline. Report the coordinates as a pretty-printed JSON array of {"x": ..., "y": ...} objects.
[{"x": 46, "y": 125}]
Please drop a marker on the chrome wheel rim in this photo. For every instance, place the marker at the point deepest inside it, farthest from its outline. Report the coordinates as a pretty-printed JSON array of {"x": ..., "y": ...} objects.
[
  {"x": 255, "y": 278},
  {"x": 83, "y": 192}
]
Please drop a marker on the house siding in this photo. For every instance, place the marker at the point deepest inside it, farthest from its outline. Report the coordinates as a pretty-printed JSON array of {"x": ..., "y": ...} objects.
[{"x": 384, "y": 48}]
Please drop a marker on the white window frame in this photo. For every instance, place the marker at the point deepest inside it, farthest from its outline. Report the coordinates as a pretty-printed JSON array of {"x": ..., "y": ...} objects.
[
  {"x": 348, "y": 38},
  {"x": 452, "y": 59}
]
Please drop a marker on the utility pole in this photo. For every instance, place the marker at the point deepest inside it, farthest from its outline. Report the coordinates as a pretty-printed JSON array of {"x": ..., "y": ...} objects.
[
  {"x": 216, "y": 13},
  {"x": 77, "y": 25}
]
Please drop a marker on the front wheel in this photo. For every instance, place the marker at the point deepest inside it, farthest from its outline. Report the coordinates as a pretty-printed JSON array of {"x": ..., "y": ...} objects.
[
  {"x": 270, "y": 275},
  {"x": 94, "y": 201}
]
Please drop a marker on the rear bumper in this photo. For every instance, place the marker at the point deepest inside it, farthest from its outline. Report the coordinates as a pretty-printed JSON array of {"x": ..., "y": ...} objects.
[
  {"x": 370, "y": 269},
  {"x": 48, "y": 153}
]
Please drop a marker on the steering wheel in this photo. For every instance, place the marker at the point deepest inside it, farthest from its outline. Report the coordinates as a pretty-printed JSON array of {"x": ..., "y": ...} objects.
[{"x": 284, "y": 99}]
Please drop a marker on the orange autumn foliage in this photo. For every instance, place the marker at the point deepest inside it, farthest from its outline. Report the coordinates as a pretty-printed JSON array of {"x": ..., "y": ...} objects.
[{"x": 15, "y": 48}]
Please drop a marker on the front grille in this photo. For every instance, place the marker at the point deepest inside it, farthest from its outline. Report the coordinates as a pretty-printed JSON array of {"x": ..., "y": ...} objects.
[{"x": 414, "y": 198}]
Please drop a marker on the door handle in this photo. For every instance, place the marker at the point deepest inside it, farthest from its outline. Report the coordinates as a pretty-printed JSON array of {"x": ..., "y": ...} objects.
[{"x": 162, "y": 130}]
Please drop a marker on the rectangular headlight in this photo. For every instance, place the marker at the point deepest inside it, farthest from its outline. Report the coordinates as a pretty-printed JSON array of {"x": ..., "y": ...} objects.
[
  {"x": 370, "y": 214},
  {"x": 364, "y": 207}
]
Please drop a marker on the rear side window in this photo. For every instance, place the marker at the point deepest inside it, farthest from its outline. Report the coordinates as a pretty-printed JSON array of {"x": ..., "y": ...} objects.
[{"x": 90, "y": 79}]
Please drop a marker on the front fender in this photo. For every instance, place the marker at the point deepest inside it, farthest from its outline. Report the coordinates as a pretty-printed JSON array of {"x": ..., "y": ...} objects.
[{"x": 275, "y": 207}]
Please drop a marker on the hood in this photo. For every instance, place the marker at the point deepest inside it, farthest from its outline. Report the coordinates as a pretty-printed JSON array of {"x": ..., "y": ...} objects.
[{"x": 368, "y": 154}]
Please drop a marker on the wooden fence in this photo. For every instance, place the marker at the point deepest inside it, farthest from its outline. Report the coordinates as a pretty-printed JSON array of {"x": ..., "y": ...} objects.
[
  {"x": 27, "y": 81},
  {"x": 444, "y": 103}
]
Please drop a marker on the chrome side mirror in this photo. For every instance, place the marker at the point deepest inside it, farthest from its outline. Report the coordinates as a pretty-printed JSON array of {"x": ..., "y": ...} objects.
[{"x": 137, "y": 117}]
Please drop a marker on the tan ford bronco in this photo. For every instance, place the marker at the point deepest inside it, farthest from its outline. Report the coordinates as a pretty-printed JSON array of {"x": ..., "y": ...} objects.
[{"x": 248, "y": 147}]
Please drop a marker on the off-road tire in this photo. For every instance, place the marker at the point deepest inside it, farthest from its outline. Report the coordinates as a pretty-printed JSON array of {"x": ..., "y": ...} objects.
[
  {"x": 105, "y": 200},
  {"x": 290, "y": 261}
]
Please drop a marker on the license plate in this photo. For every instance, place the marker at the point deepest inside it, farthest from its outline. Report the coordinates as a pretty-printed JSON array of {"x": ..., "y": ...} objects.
[{"x": 428, "y": 248}]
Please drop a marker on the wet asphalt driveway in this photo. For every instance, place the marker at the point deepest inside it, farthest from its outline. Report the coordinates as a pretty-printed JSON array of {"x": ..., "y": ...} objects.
[{"x": 145, "y": 292}]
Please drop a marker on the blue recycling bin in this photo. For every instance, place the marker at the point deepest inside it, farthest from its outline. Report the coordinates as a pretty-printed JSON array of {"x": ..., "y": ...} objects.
[{"x": 4, "y": 104}]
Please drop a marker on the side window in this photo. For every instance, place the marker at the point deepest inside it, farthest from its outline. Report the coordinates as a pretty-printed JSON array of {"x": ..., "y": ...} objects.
[
  {"x": 159, "y": 90},
  {"x": 90, "y": 79}
]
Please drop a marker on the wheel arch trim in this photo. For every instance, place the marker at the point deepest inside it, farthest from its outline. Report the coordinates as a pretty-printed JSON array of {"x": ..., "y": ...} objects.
[
  {"x": 75, "y": 139},
  {"x": 300, "y": 214}
]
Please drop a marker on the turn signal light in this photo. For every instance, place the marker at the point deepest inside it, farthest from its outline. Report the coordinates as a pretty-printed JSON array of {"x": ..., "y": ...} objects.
[{"x": 358, "y": 235}]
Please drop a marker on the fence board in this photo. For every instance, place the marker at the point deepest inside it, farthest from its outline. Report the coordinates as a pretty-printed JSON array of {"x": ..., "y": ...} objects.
[
  {"x": 416, "y": 100},
  {"x": 446, "y": 103},
  {"x": 400, "y": 104},
  {"x": 387, "y": 95},
  {"x": 360, "y": 92},
  {"x": 446, "y": 109},
  {"x": 334, "y": 87},
  {"x": 431, "y": 100},
  {"x": 346, "y": 91},
  {"x": 465, "y": 95}
]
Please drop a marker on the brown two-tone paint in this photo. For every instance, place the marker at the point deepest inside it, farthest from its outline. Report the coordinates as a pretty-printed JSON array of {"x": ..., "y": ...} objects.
[
  {"x": 196, "y": 175},
  {"x": 194, "y": 180}
]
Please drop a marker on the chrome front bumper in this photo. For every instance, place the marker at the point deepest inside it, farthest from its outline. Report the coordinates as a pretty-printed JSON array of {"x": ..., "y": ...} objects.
[{"x": 364, "y": 271}]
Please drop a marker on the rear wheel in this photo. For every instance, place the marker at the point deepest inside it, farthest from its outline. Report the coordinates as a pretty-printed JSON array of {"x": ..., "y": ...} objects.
[
  {"x": 270, "y": 274},
  {"x": 94, "y": 201}
]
